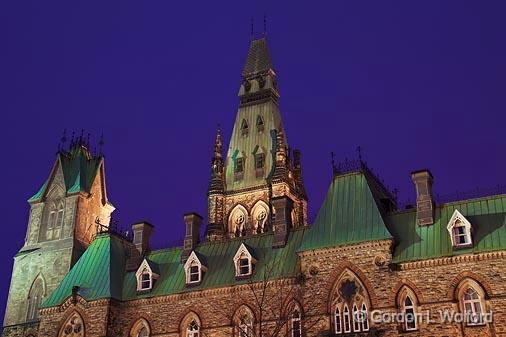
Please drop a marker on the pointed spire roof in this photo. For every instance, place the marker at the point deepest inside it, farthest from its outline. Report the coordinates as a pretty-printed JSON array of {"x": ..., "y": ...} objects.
[{"x": 259, "y": 59}]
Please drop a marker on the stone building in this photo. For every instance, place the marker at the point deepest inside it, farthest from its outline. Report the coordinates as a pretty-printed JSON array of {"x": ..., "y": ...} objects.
[{"x": 363, "y": 267}]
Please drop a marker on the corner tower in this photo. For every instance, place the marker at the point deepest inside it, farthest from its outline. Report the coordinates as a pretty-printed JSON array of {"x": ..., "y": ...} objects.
[
  {"x": 259, "y": 166},
  {"x": 61, "y": 225}
]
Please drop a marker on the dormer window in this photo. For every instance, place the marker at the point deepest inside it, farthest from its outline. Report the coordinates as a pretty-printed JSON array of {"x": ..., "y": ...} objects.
[
  {"x": 194, "y": 269},
  {"x": 260, "y": 124},
  {"x": 145, "y": 281},
  {"x": 459, "y": 229},
  {"x": 244, "y": 262},
  {"x": 146, "y": 276},
  {"x": 244, "y": 266},
  {"x": 244, "y": 128}
]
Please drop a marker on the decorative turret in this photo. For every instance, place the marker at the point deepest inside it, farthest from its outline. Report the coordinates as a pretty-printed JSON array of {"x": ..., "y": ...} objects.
[
  {"x": 281, "y": 167},
  {"x": 216, "y": 191}
]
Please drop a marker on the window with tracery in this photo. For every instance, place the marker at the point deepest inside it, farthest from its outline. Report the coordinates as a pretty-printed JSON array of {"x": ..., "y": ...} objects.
[
  {"x": 53, "y": 220},
  {"x": 351, "y": 303},
  {"x": 238, "y": 221},
  {"x": 260, "y": 217},
  {"x": 472, "y": 307},
  {"x": 73, "y": 327},
  {"x": 35, "y": 299}
]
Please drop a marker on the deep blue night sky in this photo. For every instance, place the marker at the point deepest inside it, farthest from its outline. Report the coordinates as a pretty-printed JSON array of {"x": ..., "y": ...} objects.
[{"x": 416, "y": 84}]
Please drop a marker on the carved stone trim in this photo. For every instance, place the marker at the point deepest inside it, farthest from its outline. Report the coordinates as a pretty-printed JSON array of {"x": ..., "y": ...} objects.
[{"x": 452, "y": 260}]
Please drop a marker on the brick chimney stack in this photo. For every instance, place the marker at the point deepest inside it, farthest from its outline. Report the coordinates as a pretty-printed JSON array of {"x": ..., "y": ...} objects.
[
  {"x": 192, "y": 221},
  {"x": 142, "y": 233},
  {"x": 283, "y": 206},
  {"x": 424, "y": 200}
]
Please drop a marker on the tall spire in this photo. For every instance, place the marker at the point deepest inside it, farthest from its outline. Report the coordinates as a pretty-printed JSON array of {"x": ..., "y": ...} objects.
[{"x": 259, "y": 59}]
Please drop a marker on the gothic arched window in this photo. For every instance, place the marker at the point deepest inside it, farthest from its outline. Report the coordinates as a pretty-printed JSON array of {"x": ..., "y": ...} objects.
[
  {"x": 73, "y": 327},
  {"x": 140, "y": 329},
  {"x": 35, "y": 299},
  {"x": 260, "y": 215},
  {"x": 295, "y": 323},
  {"x": 244, "y": 127},
  {"x": 472, "y": 307},
  {"x": 351, "y": 302},
  {"x": 243, "y": 321},
  {"x": 238, "y": 220},
  {"x": 260, "y": 124},
  {"x": 407, "y": 302},
  {"x": 53, "y": 218},
  {"x": 472, "y": 302},
  {"x": 193, "y": 329}
]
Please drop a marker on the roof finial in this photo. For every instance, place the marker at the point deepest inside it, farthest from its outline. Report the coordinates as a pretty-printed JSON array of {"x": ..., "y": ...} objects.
[
  {"x": 265, "y": 24},
  {"x": 63, "y": 139},
  {"x": 333, "y": 163},
  {"x": 101, "y": 144},
  {"x": 88, "y": 140},
  {"x": 73, "y": 139},
  {"x": 359, "y": 152},
  {"x": 252, "y": 28},
  {"x": 81, "y": 138},
  {"x": 218, "y": 147}
]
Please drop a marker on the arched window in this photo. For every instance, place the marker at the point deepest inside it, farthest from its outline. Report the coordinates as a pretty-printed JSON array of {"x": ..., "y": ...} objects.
[
  {"x": 471, "y": 298},
  {"x": 409, "y": 314},
  {"x": 260, "y": 215},
  {"x": 472, "y": 307},
  {"x": 238, "y": 220},
  {"x": 193, "y": 329},
  {"x": 364, "y": 320},
  {"x": 143, "y": 332},
  {"x": 244, "y": 127},
  {"x": 243, "y": 322},
  {"x": 245, "y": 326},
  {"x": 337, "y": 321},
  {"x": 260, "y": 124},
  {"x": 35, "y": 299},
  {"x": 73, "y": 327},
  {"x": 349, "y": 292},
  {"x": 140, "y": 329},
  {"x": 53, "y": 217},
  {"x": 346, "y": 319},
  {"x": 296, "y": 324}
]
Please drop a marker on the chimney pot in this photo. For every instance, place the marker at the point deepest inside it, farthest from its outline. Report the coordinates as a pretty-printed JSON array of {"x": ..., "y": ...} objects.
[
  {"x": 424, "y": 201},
  {"x": 192, "y": 222},
  {"x": 142, "y": 233}
]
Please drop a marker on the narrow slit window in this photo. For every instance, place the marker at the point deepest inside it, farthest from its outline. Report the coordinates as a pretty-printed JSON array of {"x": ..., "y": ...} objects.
[
  {"x": 244, "y": 128},
  {"x": 260, "y": 124},
  {"x": 337, "y": 321}
]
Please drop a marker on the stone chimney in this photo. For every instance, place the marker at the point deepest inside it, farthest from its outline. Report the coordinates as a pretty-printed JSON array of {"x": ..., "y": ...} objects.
[
  {"x": 192, "y": 221},
  {"x": 142, "y": 233},
  {"x": 424, "y": 201},
  {"x": 282, "y": 223}
]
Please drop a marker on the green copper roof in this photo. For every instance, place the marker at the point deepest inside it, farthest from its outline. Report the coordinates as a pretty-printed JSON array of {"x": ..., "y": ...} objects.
[
  {"x": 349, "y": 214},
  {"x": 259, "y": 58},
  {"x": 486, "y": 215},
  {"x": 79, "y": 171},
  {"x": 98, "y": 273}
]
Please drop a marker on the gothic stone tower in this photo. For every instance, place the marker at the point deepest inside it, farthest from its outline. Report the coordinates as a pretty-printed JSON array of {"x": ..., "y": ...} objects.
[
  {"x": 260, "y": 180},
  {"x": 60, "y": 227}
]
